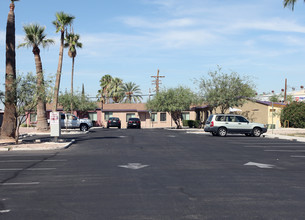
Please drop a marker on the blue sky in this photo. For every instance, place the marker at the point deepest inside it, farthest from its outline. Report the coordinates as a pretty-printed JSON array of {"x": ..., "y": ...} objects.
[{"x": 131, "y": 39}]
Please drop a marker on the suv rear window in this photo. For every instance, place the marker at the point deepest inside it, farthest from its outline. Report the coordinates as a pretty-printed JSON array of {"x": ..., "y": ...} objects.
[{"x": 209, "y": 119}]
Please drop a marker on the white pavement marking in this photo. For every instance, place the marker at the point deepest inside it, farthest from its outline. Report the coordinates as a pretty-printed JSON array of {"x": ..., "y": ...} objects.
[
  {"x": 17, "y": 184},
  {"x": 296, "y": 156},
  {"x": 22, "y": 161},
  {"x": 32, "y": 169},
  {"x": 5, "y": 211},
  {"x": 287, "y": 145},
  {"x": 285, "y": 150},
  {"x": 260, "y": 165},
  {"x": 133, "y": 166}
]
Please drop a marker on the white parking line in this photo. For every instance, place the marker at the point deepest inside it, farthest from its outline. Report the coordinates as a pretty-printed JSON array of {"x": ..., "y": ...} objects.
[
  {"x": 285, "y": 150},
  {"x": 5, "y": 211},
  {"x": 22, "y": 161},
  {"x": 296, "y": 156},
  {"x": 275, "y": 146},
  {"x": 17, "y": 184},
  {"x": 32, "y": 169}
]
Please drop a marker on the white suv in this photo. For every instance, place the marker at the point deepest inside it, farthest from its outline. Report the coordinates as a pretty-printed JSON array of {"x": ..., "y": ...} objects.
[{"x": 221, "y": 124}]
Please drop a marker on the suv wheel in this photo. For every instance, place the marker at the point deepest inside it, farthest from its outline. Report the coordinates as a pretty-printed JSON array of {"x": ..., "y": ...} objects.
[
  {"x": 256, "y": 132},
  {"x": 222, "y": 132},
  {"x": 84, "y": 128}
]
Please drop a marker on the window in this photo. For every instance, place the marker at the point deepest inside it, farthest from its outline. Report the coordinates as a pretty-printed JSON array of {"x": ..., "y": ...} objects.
[
  {"x": 129, "y": 115},
  {"x": 108, "y": 115},
  {"x": 33, "y": 118},
  {"x": 186, "y": 116},
  {"x": 153, "y": 116},
  {"x": 93, "y": 116},
  {"x": 241, "y": 119},
  {"x": 162, "y": 116}
]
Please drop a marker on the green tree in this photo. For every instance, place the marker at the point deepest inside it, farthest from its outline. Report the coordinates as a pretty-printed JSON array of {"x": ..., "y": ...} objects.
[
  {"x": 9, "y": 123},
  {"x": 173, "y": 101},
  {"x": 290, "y": 3},
  {"x": 294, "y": 114},
  {"x": 26, "y": 99},
  {"x": 34, "y": 38},
  {"x": 104, "y": 92},
  {"x": 132, "y": 92},
  {"x": 72, "y": 42},
  {"x": 225, "y": 90},
  {"x": 116, "y": 90},
  {"x": 81, "y": 102},
  {"x": 61, "y": 23}
]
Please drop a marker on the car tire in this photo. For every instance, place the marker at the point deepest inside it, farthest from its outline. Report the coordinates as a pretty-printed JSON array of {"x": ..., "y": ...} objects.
[
  {"x": 214, "y": 133},
  {"x": 222, "y": 132},
  {"x": 119, "y": 127},
  {"x": 84, "y": 127},
  {"x": 248, "y": 134},
  {"x": 256, "y": 132}
]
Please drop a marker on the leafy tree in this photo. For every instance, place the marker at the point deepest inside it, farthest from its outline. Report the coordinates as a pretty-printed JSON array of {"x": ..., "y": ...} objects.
[
  {"x": 225, "y": 90},
  {"x": 81, "y": 102},
  {"x": 9, "y": 123},
  {"x": 35, "y": 37},
  {"x": 116, "y": 90},
  {"x": 61, "y": 23},
  {"x": 105, "y": 84},
  {"x": 132, "y": 92},
  {"x": 72, "y": 42},
  {"x": 294, "y": 113},
  {"x": 173, "y": 101},
  {"x": 26, "y": 99},
  {"x": 290, "y": 3}
]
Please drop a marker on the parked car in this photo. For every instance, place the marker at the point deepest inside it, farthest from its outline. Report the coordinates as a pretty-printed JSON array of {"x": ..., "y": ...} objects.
[
  {"x": 134, "y": 123},
  {"x": 68, "y": 120},
  {"x": 114, "y": 122},
  {"x": 221, "y": 124}
]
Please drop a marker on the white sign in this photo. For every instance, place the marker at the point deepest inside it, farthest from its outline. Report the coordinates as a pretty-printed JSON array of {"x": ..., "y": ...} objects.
[
  {"x": 54, "y": 117},
  {"x": 133, "y": 166},
  {"x": 55, "y": 124},
  {"x": 260, "y": 165}
]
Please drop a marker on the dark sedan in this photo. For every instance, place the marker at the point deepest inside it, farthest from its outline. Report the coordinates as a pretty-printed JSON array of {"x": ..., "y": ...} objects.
[
  {"x": 114, "y": 122},
  {"x": 134, "y": 123}
]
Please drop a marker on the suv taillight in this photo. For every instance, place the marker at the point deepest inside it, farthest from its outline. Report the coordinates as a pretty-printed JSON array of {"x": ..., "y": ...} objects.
[{"x": 212, "y": 124}]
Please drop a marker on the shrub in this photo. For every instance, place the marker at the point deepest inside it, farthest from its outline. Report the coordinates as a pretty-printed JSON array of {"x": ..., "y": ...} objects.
[{"x": 295, "y": 114}]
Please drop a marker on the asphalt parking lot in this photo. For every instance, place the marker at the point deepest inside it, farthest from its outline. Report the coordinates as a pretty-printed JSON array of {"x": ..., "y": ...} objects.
[{"x": 156, "y": 174}]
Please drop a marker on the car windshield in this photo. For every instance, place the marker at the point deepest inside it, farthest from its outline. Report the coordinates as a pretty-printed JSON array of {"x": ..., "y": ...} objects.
[{"x": 134, "y": 119}]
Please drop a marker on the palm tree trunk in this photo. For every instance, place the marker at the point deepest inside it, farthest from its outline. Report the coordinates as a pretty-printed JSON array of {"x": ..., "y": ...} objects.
[
  {"x": 72, "y": 74},
  {"x": 42, "y": 123},
  {"x": 9, "y": 124},
  {"x": 58, "y": 75}
]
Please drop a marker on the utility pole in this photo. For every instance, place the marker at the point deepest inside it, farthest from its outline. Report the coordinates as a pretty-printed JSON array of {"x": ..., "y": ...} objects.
[
  {"x": 285, "y": 94},
  {"x": 157, "y": 81}
]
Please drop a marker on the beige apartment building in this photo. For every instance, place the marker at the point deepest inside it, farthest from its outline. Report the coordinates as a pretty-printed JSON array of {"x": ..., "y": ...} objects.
[{"x": 148, "y": 119}]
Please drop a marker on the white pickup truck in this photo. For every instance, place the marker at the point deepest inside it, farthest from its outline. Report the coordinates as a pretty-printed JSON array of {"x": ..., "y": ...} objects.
[{"x": 71, "y": 121}]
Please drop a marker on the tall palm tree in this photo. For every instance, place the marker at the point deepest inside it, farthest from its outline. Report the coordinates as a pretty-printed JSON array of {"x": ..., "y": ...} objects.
[
  {"x": 35, "y": 37},
  {"x": 105, "y": 84},
  {"x": 72, "y": 43},
  {"x": 8, "y": 128},
  {"x": 290, "y": 3},
  {"x": 116, "y": 92},
  {"x": 61, "y": 23},
  {"x": 132, "y": 92}
]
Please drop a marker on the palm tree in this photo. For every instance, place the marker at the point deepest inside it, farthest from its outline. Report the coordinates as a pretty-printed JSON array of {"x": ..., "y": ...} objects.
[
  {"x": 116, "y": 91},
  {"x": 61, "y": 23},
  {"x": 290, "y": 3},
  {"x": 105, "y": 84},
  {"x": 132, "y": 92},
  {"x": 72, "y": 43},
  {"x": 35, "y": 37},
  {"x": 8, "y": 128}
]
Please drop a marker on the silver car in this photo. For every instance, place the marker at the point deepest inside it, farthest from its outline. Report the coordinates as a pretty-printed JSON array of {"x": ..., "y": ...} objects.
[{"x": 221, "y": 124}]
